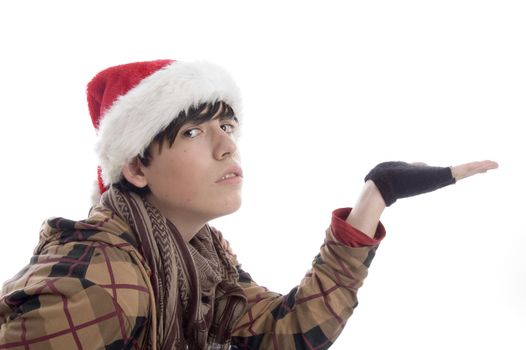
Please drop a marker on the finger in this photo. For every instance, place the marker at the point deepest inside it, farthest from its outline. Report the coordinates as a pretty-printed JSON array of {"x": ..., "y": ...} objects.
[
  {"x": 483, "y": 166},
  {"x": 465, "y": 170},
  {"x": 469, "y": 169}
]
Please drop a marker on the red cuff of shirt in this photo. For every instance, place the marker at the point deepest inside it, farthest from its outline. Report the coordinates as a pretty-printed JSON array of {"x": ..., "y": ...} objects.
[{"x": 351, "y": 236}]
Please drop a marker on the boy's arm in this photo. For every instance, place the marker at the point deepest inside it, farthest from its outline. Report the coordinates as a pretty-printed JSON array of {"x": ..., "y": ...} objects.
[
  {"x": 64, "y": 305},
  {"x": 366, "y": 213},
  {"x": 312, "y": 314}
]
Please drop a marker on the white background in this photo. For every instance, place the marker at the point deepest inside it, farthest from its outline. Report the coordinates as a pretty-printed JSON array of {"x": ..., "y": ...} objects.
[{"x": 329, "y": 91}]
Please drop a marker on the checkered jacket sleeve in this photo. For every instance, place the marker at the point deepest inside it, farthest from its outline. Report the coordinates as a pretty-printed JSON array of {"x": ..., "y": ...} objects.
[
  {"x": 311, "y": 315},
  {"x": 79, "y": 295}
]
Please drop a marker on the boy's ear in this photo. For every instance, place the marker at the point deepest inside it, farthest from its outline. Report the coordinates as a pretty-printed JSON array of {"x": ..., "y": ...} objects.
[{"x": 134, "y": 174}]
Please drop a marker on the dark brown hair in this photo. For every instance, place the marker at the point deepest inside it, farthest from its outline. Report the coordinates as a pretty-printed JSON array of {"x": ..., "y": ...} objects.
[{"x": 195, "y": 115}]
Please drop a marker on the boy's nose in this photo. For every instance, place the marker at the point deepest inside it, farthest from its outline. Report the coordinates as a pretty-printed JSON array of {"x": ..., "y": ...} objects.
[{"x": 225, "y": 146}]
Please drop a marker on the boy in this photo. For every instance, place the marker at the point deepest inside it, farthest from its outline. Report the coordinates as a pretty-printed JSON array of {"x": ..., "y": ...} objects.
[{"x": 146, "y": 271}]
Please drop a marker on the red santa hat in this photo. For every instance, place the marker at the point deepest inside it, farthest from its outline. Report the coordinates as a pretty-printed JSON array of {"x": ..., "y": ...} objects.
[{"x": 131, "y": 103}]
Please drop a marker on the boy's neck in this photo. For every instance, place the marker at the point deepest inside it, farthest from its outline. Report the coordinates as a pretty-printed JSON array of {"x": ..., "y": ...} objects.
[
  {"x": 187, "y": 224},
  {"x": 187, "y": 230}
]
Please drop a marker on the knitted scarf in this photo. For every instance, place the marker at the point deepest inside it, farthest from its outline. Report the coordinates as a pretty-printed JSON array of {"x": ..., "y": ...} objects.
[{"x": 197, "y": 298}]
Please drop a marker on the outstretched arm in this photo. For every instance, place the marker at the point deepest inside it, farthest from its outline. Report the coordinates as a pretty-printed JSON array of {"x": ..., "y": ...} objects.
[{"x": 312, "y": 315}]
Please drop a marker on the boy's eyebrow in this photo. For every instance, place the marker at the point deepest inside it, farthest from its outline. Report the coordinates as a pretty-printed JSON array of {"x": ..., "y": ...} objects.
[
  {"x": 227, "y": 117},
  {"x": 220, "y": 118}
]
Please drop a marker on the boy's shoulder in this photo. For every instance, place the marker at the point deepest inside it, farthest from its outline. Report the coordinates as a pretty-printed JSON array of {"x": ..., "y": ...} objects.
[
  {"x": 76, "y": 266},
  {"x": 85, "y": 287},
  {"x": 94, "y": 262}
]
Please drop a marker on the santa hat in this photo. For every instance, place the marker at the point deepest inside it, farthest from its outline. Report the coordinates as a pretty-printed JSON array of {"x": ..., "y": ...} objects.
[{"x": 130, "y": 104}]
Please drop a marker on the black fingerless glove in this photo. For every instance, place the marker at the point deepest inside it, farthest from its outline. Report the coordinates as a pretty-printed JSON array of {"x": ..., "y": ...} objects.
[{"x": 400, "y": 180}]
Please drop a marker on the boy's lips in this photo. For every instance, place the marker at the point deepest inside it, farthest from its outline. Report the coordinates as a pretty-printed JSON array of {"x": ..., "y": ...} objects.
[{"x": 232, "y": 172}]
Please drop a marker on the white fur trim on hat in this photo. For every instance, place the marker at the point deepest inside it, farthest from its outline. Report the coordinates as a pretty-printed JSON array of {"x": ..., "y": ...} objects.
[{"x": 134, "y": 119}]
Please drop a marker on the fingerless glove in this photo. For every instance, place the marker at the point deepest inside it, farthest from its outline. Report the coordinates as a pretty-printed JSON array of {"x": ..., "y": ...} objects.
[{"x": 400, "y": 180}]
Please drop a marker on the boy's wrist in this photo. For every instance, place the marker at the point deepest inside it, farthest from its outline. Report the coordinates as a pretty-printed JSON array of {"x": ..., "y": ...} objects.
[{"x": 368, "y": 209}]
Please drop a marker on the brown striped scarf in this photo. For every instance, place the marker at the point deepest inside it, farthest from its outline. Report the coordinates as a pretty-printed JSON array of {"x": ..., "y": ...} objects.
[{"x": 197, "y": 298}]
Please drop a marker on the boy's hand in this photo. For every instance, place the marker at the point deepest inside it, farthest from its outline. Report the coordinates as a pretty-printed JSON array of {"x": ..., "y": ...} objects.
[
  {"x": 397, "y": 180},
  {"x": 372, "y": 201}
]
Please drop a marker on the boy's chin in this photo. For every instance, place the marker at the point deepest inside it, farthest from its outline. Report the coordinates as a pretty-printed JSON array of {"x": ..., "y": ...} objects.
[{"x": 229, "y": 209}]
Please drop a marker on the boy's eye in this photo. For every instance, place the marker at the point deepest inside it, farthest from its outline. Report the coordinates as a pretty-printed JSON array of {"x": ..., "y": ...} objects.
[
  {"x": 228, "y": 128},
  {"x": 191, "y": 132}
]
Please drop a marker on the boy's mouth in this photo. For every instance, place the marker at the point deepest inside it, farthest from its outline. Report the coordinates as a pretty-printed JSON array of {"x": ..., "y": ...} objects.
[
  {"x": 228, "y": 176},
  {"x": 231, "y": 172}
]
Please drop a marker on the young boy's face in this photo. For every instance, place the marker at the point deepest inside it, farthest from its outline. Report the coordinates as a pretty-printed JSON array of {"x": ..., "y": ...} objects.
[{"x": 187, "y": 180}]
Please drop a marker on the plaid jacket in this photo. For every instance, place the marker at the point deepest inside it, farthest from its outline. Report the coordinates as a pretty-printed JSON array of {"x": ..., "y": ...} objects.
[{"x": 87, "y": 287}]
